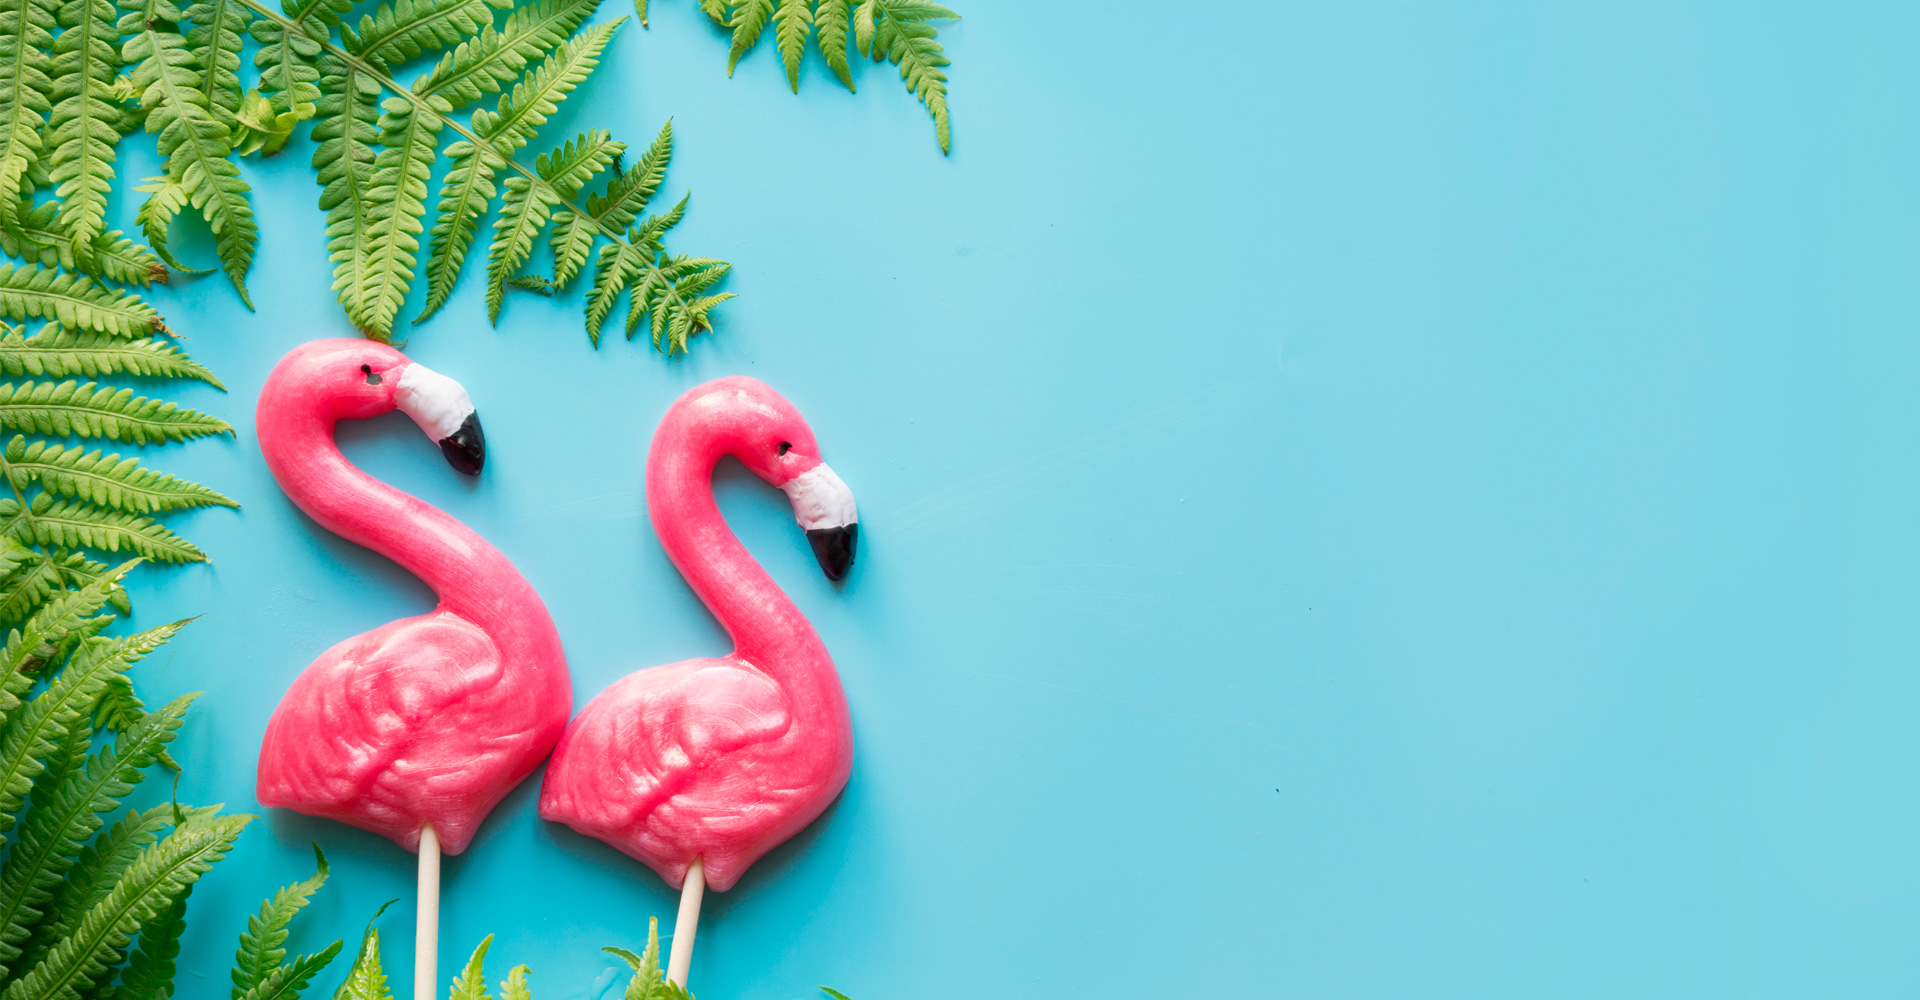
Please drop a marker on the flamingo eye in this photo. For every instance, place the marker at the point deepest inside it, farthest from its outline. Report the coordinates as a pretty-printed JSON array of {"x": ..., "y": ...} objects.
[
  {"x": 786, "y": 446},
  {"x": 373, "y": 377}
]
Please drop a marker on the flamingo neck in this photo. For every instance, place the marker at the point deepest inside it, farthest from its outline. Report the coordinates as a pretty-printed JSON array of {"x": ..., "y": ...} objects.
[
  {"x": 766, "y": 628},
  {"x": 445, "y": 554}
]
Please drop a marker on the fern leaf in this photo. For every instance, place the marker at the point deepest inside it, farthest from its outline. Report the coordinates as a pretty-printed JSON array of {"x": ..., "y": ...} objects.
[
  {"x": 34, "y": 235},
  {"x": 31, "y": 290},
  {"x": 523, "y": 212},
  {"x": 149, "y": 972},
  {"x": 482, "y": 63},
  {"x": 515, "y": 985},
  {"x": 96, "y": 870},
  {"x": 196, "y": 146},
  {"x": 536, "y": 97},
  {"x": 151, "y": 885},
  {"x": 835, "y": 994},
  {"x": 105, "y": 481},
  {"x": 288, "y": 59},
  {"x": 830, "y": 26},
  {"x": 259, "y": 128},
  {"x": 32, "y": 586},
  {"x": 57, "y": 352},
  {"x": 402, "y": 29},
  {"x": 366, "y": 980},
  {"x": 897, "y": 30},
  {"x": 532, "y": 283},
  {"x": 347, "y": 136},
  {"x": 627, "y": 197},
  {"x": 648, "y": 983},
  {"x": 471, "y": 983},
  {"x": 215, "y": 43},
  {"x": 120, "y": 709},
  {"x": 397, "y": 198},
  {"x": 748, "y": 20},
  {"x": 263, "y": 943},
  {"x": 45, "y": 521},
  {"x": 86, "y": 119},
  {"x": 37, "y": 729},
  {"x": 464, "y": 195},
  {"x": 58, "y": 824},
  {"x": 716, "y": 11},
  {"x": 574, "y": 164},
  {"x": 792, "y": 23},
  {"x": 165, "y": 199},
  {"x": 26, "y": 90},
  {"x": 286, "y": 982},
  {"x": 91, "y": 410},
  {"x": 54, "y": 623}
]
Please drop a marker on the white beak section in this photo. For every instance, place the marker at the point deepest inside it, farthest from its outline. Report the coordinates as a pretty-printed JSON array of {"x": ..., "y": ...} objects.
[
  {"x": 435, "y": 402},
  {"x": 820, "y": 499}
]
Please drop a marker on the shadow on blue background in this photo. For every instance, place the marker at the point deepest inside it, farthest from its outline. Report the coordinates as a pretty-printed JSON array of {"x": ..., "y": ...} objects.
[{"x": 1381, "y": 500}]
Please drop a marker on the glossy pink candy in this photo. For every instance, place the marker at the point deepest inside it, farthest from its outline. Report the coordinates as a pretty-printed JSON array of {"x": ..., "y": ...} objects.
[
  {"x": 719, "y": 759},
  {"x": 430, "y": 719}
]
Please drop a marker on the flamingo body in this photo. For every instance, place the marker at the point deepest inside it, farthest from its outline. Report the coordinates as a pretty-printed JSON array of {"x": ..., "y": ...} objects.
[
  {"x": 429, "y": 719},
  {"x": 715, "y": 759}
]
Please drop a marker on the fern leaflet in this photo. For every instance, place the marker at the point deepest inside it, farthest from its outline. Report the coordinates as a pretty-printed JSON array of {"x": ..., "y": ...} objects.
[{"x": 86, "y": 120}]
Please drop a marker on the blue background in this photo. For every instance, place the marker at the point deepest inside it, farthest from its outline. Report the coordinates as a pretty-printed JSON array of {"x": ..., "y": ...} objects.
[{"x": 1357, "y": 500}]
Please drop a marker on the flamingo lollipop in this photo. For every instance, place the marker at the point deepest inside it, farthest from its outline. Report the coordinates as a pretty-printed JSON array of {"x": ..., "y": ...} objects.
[
  {"x": 416, "y": 729},
  {"x": 701, "y": 767}
]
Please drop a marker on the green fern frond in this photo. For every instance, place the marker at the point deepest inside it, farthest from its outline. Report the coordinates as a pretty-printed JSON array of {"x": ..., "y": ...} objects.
[
  {"x": 110, "y": 256},
  {"x": 830, "y": 28},
  {"x": 514, "y": 987},
  {"x": 464, "y": 196},
  {"x": 483, "y": 63},
  {"x": 835, "y": 994},
  {"x": 613, "y": 212},
  {"x": 366, "y": 980},
  {"x": 263, "y": 943},
  {"x": 151, "y": 885},
  {"x": 648, "y": 983},
  {"x": 103, "y": 480},
  {"x": 537, "y": 97},
  {"x": 471, "y": 983},
  {"x": 532, "y": 283},
  {"x": 86, "y": 120},
  {"x": 53, "y": 623},
  {"x": 193, "y": 142},
  {"x": 34, "y": 235},
  {"x": 398, "y": 195},
  {"x": 897, "y": 30},
  {"x": 45, "y": 521},
  {"x": 166, "y": 198},
  {"x": 666, "y": 287},
  {"x": 91, "y": 410},
  {"x": 523, "y": 212},
  {"x": 95, "y": 871},
  {"x": 215, "y": 42},
  {"x": 28, "y": 290},
  {"x": 402, "y": 29},
  {"x": 748, "y": 20},
  {"x": 148, "y": 974},
  {"x": 26, "y": 93},
  {"x": 73, "y": 812},
  {"x": 120, "y": 709},
  {"x": 348, "y": 139},
  {"x": 792, "y": 23},
  {"x": 286, "y": 982},
  {"x": 288, "y": 56},
  {"x": 716, "y": 11},
  {"x": 57, "y": 352}
]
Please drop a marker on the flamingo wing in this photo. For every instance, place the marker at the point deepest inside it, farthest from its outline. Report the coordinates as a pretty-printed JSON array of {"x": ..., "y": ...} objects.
[{"x": 401, "y": 726}]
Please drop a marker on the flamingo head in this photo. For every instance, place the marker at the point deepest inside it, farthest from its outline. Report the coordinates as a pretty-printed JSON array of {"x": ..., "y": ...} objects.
[
  {"x": 349, "y": 379},
  {"x": 778, "y": 446}
]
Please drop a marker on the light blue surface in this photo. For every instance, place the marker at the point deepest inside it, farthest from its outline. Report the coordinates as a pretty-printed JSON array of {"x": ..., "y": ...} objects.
[{"x": 1385, "y": 501}]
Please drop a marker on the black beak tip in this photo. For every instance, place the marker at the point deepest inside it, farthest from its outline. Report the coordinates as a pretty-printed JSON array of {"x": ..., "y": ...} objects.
[
  {"x": 466, "y": 448},
  {"x": 834, "y": 547}
]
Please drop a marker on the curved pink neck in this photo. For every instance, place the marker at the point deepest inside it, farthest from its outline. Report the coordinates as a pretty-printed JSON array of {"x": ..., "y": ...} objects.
[
  {"x": 447, "y": 555},
  {"x": 767, "y": 630}
]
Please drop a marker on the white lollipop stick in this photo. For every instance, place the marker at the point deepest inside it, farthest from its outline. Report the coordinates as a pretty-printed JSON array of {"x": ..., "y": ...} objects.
[
  {"x": 426, "y": 932},
  {"x": 680, "y": 953}
]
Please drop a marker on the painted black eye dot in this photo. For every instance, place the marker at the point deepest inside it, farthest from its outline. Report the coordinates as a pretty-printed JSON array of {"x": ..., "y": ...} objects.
[
  {"x": 786, "y": 446},
  {"x": 373, "y": 377}
]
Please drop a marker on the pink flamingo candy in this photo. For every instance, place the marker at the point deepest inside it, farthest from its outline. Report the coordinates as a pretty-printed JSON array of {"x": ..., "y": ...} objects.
[
  {"x": 707, "y": 764},
  {"x": 429, "y": 719}
]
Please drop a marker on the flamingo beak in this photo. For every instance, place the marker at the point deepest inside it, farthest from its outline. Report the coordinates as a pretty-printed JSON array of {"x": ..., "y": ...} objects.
[
  {"x": 824, "y": 507},
  {"x": 442, "y": 409}
]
